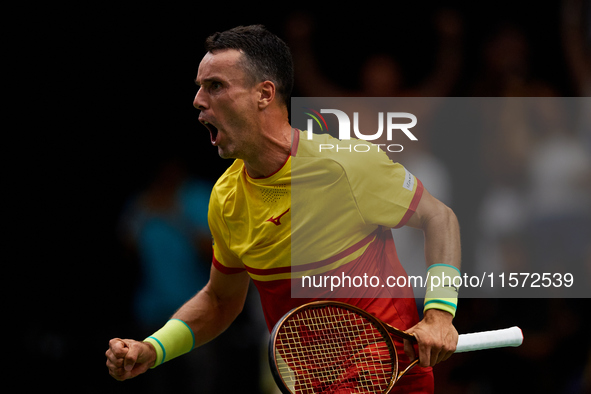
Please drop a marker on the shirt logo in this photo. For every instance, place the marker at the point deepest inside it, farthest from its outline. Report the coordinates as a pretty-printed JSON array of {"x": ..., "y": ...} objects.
[
  {"x": 277, "y": 221},
  {"x": 409, "y": 180}
]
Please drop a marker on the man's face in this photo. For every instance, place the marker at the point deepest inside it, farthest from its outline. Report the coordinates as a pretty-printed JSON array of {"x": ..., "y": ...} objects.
[{"x": 228, "y": 103}]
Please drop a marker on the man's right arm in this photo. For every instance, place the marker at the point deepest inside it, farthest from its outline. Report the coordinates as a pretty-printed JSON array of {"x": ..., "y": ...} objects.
[
  {"x": 208, "y": 314},
  {"x": 214, "y": 308}
]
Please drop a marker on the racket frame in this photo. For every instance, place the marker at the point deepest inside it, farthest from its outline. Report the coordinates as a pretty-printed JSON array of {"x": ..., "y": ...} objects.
[{"x": 388, "y": 332}]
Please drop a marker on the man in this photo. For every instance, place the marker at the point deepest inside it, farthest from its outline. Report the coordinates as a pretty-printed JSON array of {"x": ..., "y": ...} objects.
[{"x": 245, "y": 80}]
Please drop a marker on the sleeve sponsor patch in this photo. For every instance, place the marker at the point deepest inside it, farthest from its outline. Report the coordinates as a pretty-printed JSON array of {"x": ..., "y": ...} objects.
[{"x": 409, "y": 180}]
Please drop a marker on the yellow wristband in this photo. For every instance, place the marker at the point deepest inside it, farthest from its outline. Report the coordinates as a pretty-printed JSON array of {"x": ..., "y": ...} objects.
[
  {"x": 443, "y": 281},
  {"x": 175, "y": 338}
]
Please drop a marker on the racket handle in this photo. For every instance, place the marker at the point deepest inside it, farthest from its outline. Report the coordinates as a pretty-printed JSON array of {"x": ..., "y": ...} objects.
[{"x": 489, "y": 339}]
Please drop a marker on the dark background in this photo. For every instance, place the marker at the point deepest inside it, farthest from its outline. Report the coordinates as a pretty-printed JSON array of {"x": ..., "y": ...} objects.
[{"x": 104, "y": 93}]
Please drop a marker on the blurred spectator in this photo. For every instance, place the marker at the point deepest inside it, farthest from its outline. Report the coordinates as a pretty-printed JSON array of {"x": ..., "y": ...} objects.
[
  {"x": 506, "y": 142},
  {"x": 506, "y": 69},
  {"x": 165, "y": 230},
  {"x": 508, "y": 135},
  {"x": 380, "y": 74},
  {"x": 535, "y": 215},
  {"x": 576, "y": 41},
  {"x": 165, "y": 226},
  {"x": 559, "y": 193}
]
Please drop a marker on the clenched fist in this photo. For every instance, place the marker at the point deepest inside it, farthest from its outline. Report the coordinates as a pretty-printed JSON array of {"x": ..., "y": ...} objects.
[{"x": 127, "y": 358}]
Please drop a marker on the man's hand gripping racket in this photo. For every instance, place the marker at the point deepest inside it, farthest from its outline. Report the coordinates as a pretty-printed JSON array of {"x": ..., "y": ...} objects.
[{"x": 327, "y": 346}]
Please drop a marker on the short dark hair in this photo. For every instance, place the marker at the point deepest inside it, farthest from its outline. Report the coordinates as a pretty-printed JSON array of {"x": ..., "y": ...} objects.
[{"x": 267, "y": 57}]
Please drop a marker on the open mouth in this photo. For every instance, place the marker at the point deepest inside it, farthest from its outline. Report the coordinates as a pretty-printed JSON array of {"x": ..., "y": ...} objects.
[{"x": 213, "y": 131}]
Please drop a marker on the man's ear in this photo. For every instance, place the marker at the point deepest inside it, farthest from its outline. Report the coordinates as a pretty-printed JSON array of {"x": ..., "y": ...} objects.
[{"x": 267, "y": 94}]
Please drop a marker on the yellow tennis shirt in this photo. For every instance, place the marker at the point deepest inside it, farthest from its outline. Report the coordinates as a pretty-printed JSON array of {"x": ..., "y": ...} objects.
[{"x": 325, "y": 212}]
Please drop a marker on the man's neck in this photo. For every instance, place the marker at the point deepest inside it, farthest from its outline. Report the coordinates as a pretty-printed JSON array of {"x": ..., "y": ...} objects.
[{"x": 271, "y": 155}]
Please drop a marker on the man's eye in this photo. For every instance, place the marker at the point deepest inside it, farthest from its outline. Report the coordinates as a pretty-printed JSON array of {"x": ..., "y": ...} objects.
[{"x": 215, "y": 85}]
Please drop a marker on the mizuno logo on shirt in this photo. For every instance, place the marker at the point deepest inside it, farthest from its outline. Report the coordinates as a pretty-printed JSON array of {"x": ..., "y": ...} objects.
[{"x": 277, "y": 221}]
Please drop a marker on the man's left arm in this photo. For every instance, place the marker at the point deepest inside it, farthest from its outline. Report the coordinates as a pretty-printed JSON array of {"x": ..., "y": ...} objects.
[{"x": 435, "y": 334}]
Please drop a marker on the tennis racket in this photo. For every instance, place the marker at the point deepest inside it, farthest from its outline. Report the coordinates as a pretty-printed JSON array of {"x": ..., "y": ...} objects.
[{"x": 333, "y": 347}]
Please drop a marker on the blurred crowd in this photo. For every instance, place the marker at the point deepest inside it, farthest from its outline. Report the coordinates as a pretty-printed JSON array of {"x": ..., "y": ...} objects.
[
  {"x": 520, "y": 182},
  {"x": 520, "y": 186}
]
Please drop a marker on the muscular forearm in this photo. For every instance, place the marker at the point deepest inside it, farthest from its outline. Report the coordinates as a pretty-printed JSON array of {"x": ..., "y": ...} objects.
[
  {"x": 441, "y": 229},
  {"x": 442, "y": 238},
  {"x": 198, "y": 321},
  {"x": 436, "y": 335},
  {"x": 208, "y": 315}
]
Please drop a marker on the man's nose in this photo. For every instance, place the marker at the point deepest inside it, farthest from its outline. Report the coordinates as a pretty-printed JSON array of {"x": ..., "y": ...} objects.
[{"x": 200, "y": 101}]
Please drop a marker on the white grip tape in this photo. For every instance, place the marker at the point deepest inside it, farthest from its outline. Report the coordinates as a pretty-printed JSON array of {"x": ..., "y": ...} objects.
[{"x": 489, "y": 339}]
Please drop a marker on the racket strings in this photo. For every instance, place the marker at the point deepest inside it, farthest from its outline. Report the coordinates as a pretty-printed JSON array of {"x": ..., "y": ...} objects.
[{"x": 325, "y": 350}]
